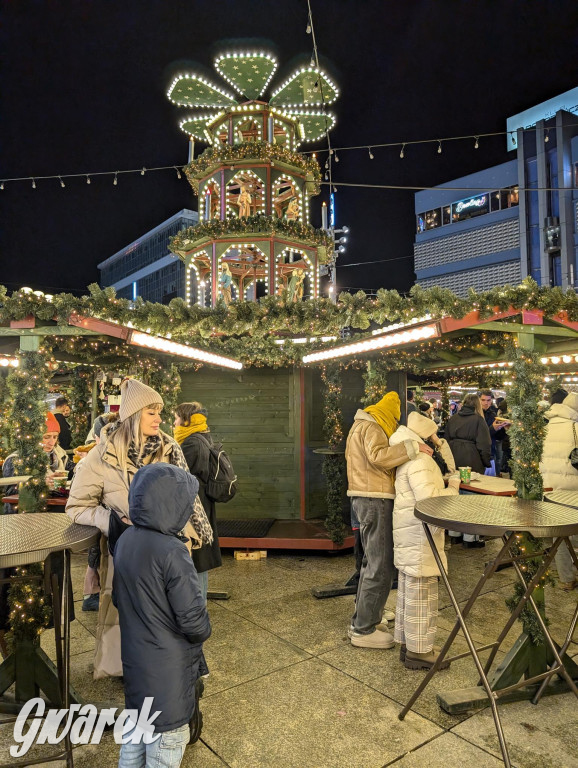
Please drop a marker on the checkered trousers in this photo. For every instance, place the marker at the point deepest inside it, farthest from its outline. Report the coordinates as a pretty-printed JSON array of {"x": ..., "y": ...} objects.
[{"x": 416, "y": 612}]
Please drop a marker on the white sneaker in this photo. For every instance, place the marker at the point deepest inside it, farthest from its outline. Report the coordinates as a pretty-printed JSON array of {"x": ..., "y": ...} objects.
[
  {"x": 376, "y": 639},
  {"x": 388, "y": 615},
  {"x": 381, "y": 627}
]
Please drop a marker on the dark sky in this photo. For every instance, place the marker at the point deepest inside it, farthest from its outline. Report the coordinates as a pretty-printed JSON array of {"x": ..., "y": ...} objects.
[{"x": 83, "y": 84}]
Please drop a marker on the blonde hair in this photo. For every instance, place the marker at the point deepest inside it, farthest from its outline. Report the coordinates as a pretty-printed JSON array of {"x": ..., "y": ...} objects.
[
  {"x": 474, "y": 401},
  {"x": 129, "y": 431}
]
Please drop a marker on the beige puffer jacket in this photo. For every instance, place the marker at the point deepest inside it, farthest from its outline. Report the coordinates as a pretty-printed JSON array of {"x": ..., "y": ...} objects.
[
  {"x": 371, "y": 461},
  {"x": 555, "y": 467},
  {"x": 98, "y": 486}
]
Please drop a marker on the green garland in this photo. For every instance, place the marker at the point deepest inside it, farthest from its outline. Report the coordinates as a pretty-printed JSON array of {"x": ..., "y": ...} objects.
[
  {"x": 166, "y": 380},
  {"x": 5, "y": 437},
  {"x": 272, "y": 315},
  {"x": 527, "y": 440},
  {"x": 79, "y": 394},
  {"x": 260, "y": 225},
  {"x": 28, "y": 386},
  {"x": 30, "y": 611},
  {"x": 252, "y": 150},
  {"x": 375, "y": 379},
  {"x": 333, "y": 464},
  {"x": 528, "y": 426}
]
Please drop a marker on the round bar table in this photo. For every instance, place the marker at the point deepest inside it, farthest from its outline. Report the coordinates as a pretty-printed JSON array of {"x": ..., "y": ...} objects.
[
  {"x": 504, "y": 517},
  {"x": 33, "y": 538}
]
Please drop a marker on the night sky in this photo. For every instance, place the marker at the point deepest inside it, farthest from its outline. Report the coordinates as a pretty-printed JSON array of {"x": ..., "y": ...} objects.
[{"x": 83, "y": 90}]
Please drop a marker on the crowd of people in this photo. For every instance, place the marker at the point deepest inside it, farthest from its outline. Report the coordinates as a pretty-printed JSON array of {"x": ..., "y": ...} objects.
[
  {"x": 391, "y": 467},
  {"x": 148, "y": 495}
]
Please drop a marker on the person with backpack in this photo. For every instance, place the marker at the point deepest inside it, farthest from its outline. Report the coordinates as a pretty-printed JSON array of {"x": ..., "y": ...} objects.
[
  {"x": 163, "y": 617},
  {"x": 217, "y": 481}
]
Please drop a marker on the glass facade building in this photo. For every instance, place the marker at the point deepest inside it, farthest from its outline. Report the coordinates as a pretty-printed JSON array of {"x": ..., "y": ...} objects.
[
  {"x": 520, "y": 218},
  {"x": 146, "y": 267}
]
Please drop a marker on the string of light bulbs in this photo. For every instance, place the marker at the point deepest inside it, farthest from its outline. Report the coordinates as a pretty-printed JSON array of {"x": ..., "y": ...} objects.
[{"x": 331, "y": 151}]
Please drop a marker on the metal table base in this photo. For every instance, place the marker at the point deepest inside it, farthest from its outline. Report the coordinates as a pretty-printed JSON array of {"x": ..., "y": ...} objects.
[{"x": 562, "y": 666}]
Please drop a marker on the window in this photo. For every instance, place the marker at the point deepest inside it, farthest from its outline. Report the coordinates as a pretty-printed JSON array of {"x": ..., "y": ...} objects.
[
  {"x": 420, "y": 223},
  {"x": 446, "y": 215},
  {"x": 495, "y": 200},
  {"x": 433, "y": 218}
]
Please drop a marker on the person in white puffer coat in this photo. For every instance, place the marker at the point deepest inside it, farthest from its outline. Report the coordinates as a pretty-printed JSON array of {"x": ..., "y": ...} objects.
[
  {"x": 559, "y": 474},
  {"x": 417, "y": 592}
]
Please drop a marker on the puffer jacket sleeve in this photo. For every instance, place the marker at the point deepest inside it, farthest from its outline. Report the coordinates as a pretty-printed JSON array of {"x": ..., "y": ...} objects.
[
  {"x": 381, "y": 454},
  {"x": 484, "y": 442},
  {"x": 425, "y": 480},
  {"x": 448, "y": 456},
  {"x": 84, "y": 501},
  {"x": 184, "y": 595}
]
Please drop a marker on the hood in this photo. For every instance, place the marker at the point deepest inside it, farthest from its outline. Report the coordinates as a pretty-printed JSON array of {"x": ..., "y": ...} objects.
[
  {"x": 466, "y": 410},
  {"x": 363, "y": 416},
  {"x": 561, "y": 411},
  {"x": 403, "y": 433},
  {"x": 161, "y": 497}
]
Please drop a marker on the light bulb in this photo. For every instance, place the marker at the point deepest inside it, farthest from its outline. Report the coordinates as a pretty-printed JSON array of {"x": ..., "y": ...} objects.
[
  {"x": 88, "y": 179},
  {"x": 477, "y": 143},
  {"x": 371, "y": 155},
  {"x": 439, "y": 148},
  {"x": 62, "y": 184},
  {"x": 142, "y": 173},
  {"x": 115, "y": 182},
  {"x": 402, "y": 152},
  {"x": 308, "y": 29},
  {"x": 33, "y": 184}
]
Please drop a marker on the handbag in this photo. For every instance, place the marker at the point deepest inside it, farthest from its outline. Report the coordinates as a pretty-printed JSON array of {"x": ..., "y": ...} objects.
[{"x": 573, "y": 457}]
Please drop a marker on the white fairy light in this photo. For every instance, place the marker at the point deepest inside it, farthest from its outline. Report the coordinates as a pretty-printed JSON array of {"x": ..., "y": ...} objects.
[
  {"x": 398, "y": 338},
  {"x": 140, "y": 339}
]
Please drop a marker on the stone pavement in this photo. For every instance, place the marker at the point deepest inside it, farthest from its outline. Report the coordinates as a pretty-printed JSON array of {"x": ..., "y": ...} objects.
[{"x": 287, "y": 690}]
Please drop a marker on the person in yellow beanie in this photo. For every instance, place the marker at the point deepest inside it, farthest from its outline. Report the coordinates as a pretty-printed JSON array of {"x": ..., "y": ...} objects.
[{"x": 371, "y": 463}]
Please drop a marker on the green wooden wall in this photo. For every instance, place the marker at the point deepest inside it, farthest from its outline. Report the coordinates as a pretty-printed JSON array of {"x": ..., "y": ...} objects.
[{"x": 256, "y": 413}]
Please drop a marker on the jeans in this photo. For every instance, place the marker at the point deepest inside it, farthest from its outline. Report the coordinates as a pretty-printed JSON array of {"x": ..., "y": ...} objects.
[
  {"x": 166, "y": 752},
  {"x": 204, "y": 583},
  {"x": 376, "y": 529}
]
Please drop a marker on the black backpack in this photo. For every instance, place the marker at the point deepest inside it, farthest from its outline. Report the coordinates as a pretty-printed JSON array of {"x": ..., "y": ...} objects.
[{"x": 222, "y": 483}]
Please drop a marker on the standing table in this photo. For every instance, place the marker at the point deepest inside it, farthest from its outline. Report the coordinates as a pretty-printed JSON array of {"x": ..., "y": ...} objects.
[
  {"x": 32, "y": 538},
  {"x": 504, "y": 517}
]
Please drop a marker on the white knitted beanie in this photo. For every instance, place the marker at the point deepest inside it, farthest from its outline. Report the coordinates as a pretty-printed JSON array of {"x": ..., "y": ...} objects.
[{"x": 134, "y": 396}]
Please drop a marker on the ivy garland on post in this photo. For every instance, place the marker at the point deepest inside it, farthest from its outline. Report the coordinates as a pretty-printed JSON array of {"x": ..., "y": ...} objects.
[
  {"x": 375, "y": 379},
  {"x": 79, "y": 394},
  {"x": 527, "y": 440},
  {"x": 166, "y": 380},
  {"x": 30, "y": 612},
  {"x": 28, "y": 386},
  {"x": 5, "y": 436},
  {"x": 333, "y": 465}
]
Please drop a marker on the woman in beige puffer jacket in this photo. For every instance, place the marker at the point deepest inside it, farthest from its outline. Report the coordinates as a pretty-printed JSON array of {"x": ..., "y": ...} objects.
[{"x": 100, "y": 489}]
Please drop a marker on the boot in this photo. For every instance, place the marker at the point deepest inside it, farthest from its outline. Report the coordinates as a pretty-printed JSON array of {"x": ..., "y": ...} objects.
[{"x": 423, "y": 660}]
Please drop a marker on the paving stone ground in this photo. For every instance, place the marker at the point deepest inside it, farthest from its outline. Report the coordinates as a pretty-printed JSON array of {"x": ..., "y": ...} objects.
[{"x": 287, "y": 690}]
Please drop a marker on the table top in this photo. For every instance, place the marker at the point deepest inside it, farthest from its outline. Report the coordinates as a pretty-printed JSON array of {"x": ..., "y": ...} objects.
[
  {"x": 569, "y": 498},
  {"x": 491, "y": 486},
  {"x": 30, "y": 538},
  {"x": 494, "y": 515},
  {"x": 14, "y": 480},
  {"x": 51, "y": 501}
]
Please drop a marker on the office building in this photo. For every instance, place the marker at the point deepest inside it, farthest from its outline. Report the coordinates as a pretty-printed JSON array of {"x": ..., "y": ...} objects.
[
  {"x": 146, "y": 267},
  {"x": 514, "y": 220}
]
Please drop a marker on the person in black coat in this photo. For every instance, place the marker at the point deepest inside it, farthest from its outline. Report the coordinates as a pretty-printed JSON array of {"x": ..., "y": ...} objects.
[
  {"x": 194, "y": 436},
  {"x": 469, "y": 437},
  {"x": 163, "y": 615},
  {"x": 61, "y": 413}
]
